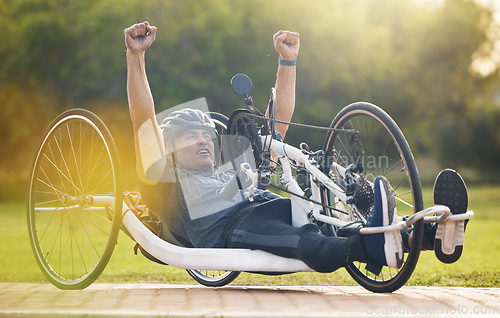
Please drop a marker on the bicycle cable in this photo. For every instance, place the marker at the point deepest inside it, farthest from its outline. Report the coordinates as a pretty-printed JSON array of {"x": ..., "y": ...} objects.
[
  {"x": 307, "y": 199},
  {"x": 353, "y": 131}
]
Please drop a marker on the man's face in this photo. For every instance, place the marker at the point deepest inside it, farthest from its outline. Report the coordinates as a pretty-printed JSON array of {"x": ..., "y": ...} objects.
[{"x": 194, "y": 149}]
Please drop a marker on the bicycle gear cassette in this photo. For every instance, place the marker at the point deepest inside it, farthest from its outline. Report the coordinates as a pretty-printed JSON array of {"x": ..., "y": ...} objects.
[{"x": 363, "y": 197}]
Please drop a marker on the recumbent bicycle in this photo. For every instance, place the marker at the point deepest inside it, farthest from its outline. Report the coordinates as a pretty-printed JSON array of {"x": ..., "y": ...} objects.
[{"x": 77, "y": 205}]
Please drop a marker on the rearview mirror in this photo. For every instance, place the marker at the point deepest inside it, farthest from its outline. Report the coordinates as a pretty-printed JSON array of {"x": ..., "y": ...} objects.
[{"x": 241, "y": 84}]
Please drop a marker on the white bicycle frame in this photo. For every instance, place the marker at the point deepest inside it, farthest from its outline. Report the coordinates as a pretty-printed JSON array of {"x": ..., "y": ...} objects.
[{"x": 259, "y": 261}]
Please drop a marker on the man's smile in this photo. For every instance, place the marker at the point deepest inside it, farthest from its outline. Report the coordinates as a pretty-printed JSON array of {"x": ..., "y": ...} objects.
[{"x": 203, "y": 151}]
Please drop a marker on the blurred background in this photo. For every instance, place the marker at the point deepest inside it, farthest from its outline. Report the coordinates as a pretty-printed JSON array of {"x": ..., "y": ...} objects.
[{"x": 431, "y": 64}]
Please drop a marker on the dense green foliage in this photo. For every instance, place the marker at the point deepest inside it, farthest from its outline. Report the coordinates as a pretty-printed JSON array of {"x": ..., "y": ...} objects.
[{"x": 413, "y": 60}]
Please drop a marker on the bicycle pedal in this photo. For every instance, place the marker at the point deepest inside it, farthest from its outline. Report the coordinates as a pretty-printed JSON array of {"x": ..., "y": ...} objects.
[
  {"x": 449, "y": 241},
  {"x": 450, "y": 190}
]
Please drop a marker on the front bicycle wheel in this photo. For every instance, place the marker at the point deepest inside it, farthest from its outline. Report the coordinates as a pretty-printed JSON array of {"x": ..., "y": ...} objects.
[
  {"x": 383, "y": 151},
  {"x": 213, "y": 278},
  {"x": 75, "y": 200}
]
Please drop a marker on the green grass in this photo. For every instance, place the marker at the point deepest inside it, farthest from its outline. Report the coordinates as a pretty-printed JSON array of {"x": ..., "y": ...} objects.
[{"x": 477, "y": 267}]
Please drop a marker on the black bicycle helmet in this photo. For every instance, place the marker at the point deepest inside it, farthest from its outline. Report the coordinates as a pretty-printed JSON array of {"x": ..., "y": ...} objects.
[{"x": 181, "y": 120}]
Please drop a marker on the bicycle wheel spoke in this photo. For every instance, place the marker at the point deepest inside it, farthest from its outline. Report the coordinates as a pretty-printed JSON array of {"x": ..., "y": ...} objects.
[
  {"x": 69, "y": 176},
  {"x": 41, "y": 237},
  {"x": 75, "y": 161},
  {"x": 102, "y": 180},
  {"x": 74, "y": 239},
  {"x": 56, "y": 191},
  {"x": 100, "y": 216},
  {"x": 393, "y": 167},
  {"x": 97, "y": 160},
  {"x": 54, "y": 159},
  {"x": 49, "y": 223},
  {"x": 64, "y": 175}
]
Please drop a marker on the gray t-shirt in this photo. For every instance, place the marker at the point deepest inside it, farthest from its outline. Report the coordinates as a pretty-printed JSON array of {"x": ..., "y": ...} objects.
[{"x": 206, "y": 214}]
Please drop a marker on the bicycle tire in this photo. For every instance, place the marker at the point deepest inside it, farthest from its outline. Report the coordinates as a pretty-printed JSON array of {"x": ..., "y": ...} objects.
[
  {"x": 401, "y": 170},
  {"x": 72, "y": 232},
  {"x": 212, "y": 278}
]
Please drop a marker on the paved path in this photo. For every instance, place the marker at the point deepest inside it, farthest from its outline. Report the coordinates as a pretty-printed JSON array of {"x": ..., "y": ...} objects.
[{"x": 157, "y": 300}]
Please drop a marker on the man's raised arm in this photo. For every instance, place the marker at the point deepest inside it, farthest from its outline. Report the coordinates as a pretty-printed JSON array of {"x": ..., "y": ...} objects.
[
  {"x": 287, "y": 44},
  {"x": 138, "y": 39},
  {"x": 149, "y": 145}
]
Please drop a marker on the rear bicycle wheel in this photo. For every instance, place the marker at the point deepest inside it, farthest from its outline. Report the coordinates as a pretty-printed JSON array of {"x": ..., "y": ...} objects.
[
  {"x": 75, "y": 200},
  {"x": 383, "y": 150},
  {"x": 212, "y": 278}
]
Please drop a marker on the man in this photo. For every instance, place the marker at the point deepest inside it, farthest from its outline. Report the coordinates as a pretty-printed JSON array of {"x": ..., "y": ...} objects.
[{"x": 181, "y": 151}]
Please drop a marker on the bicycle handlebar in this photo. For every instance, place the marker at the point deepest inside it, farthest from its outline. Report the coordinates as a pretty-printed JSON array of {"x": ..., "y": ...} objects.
[{"x": 229, "y": 191}]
